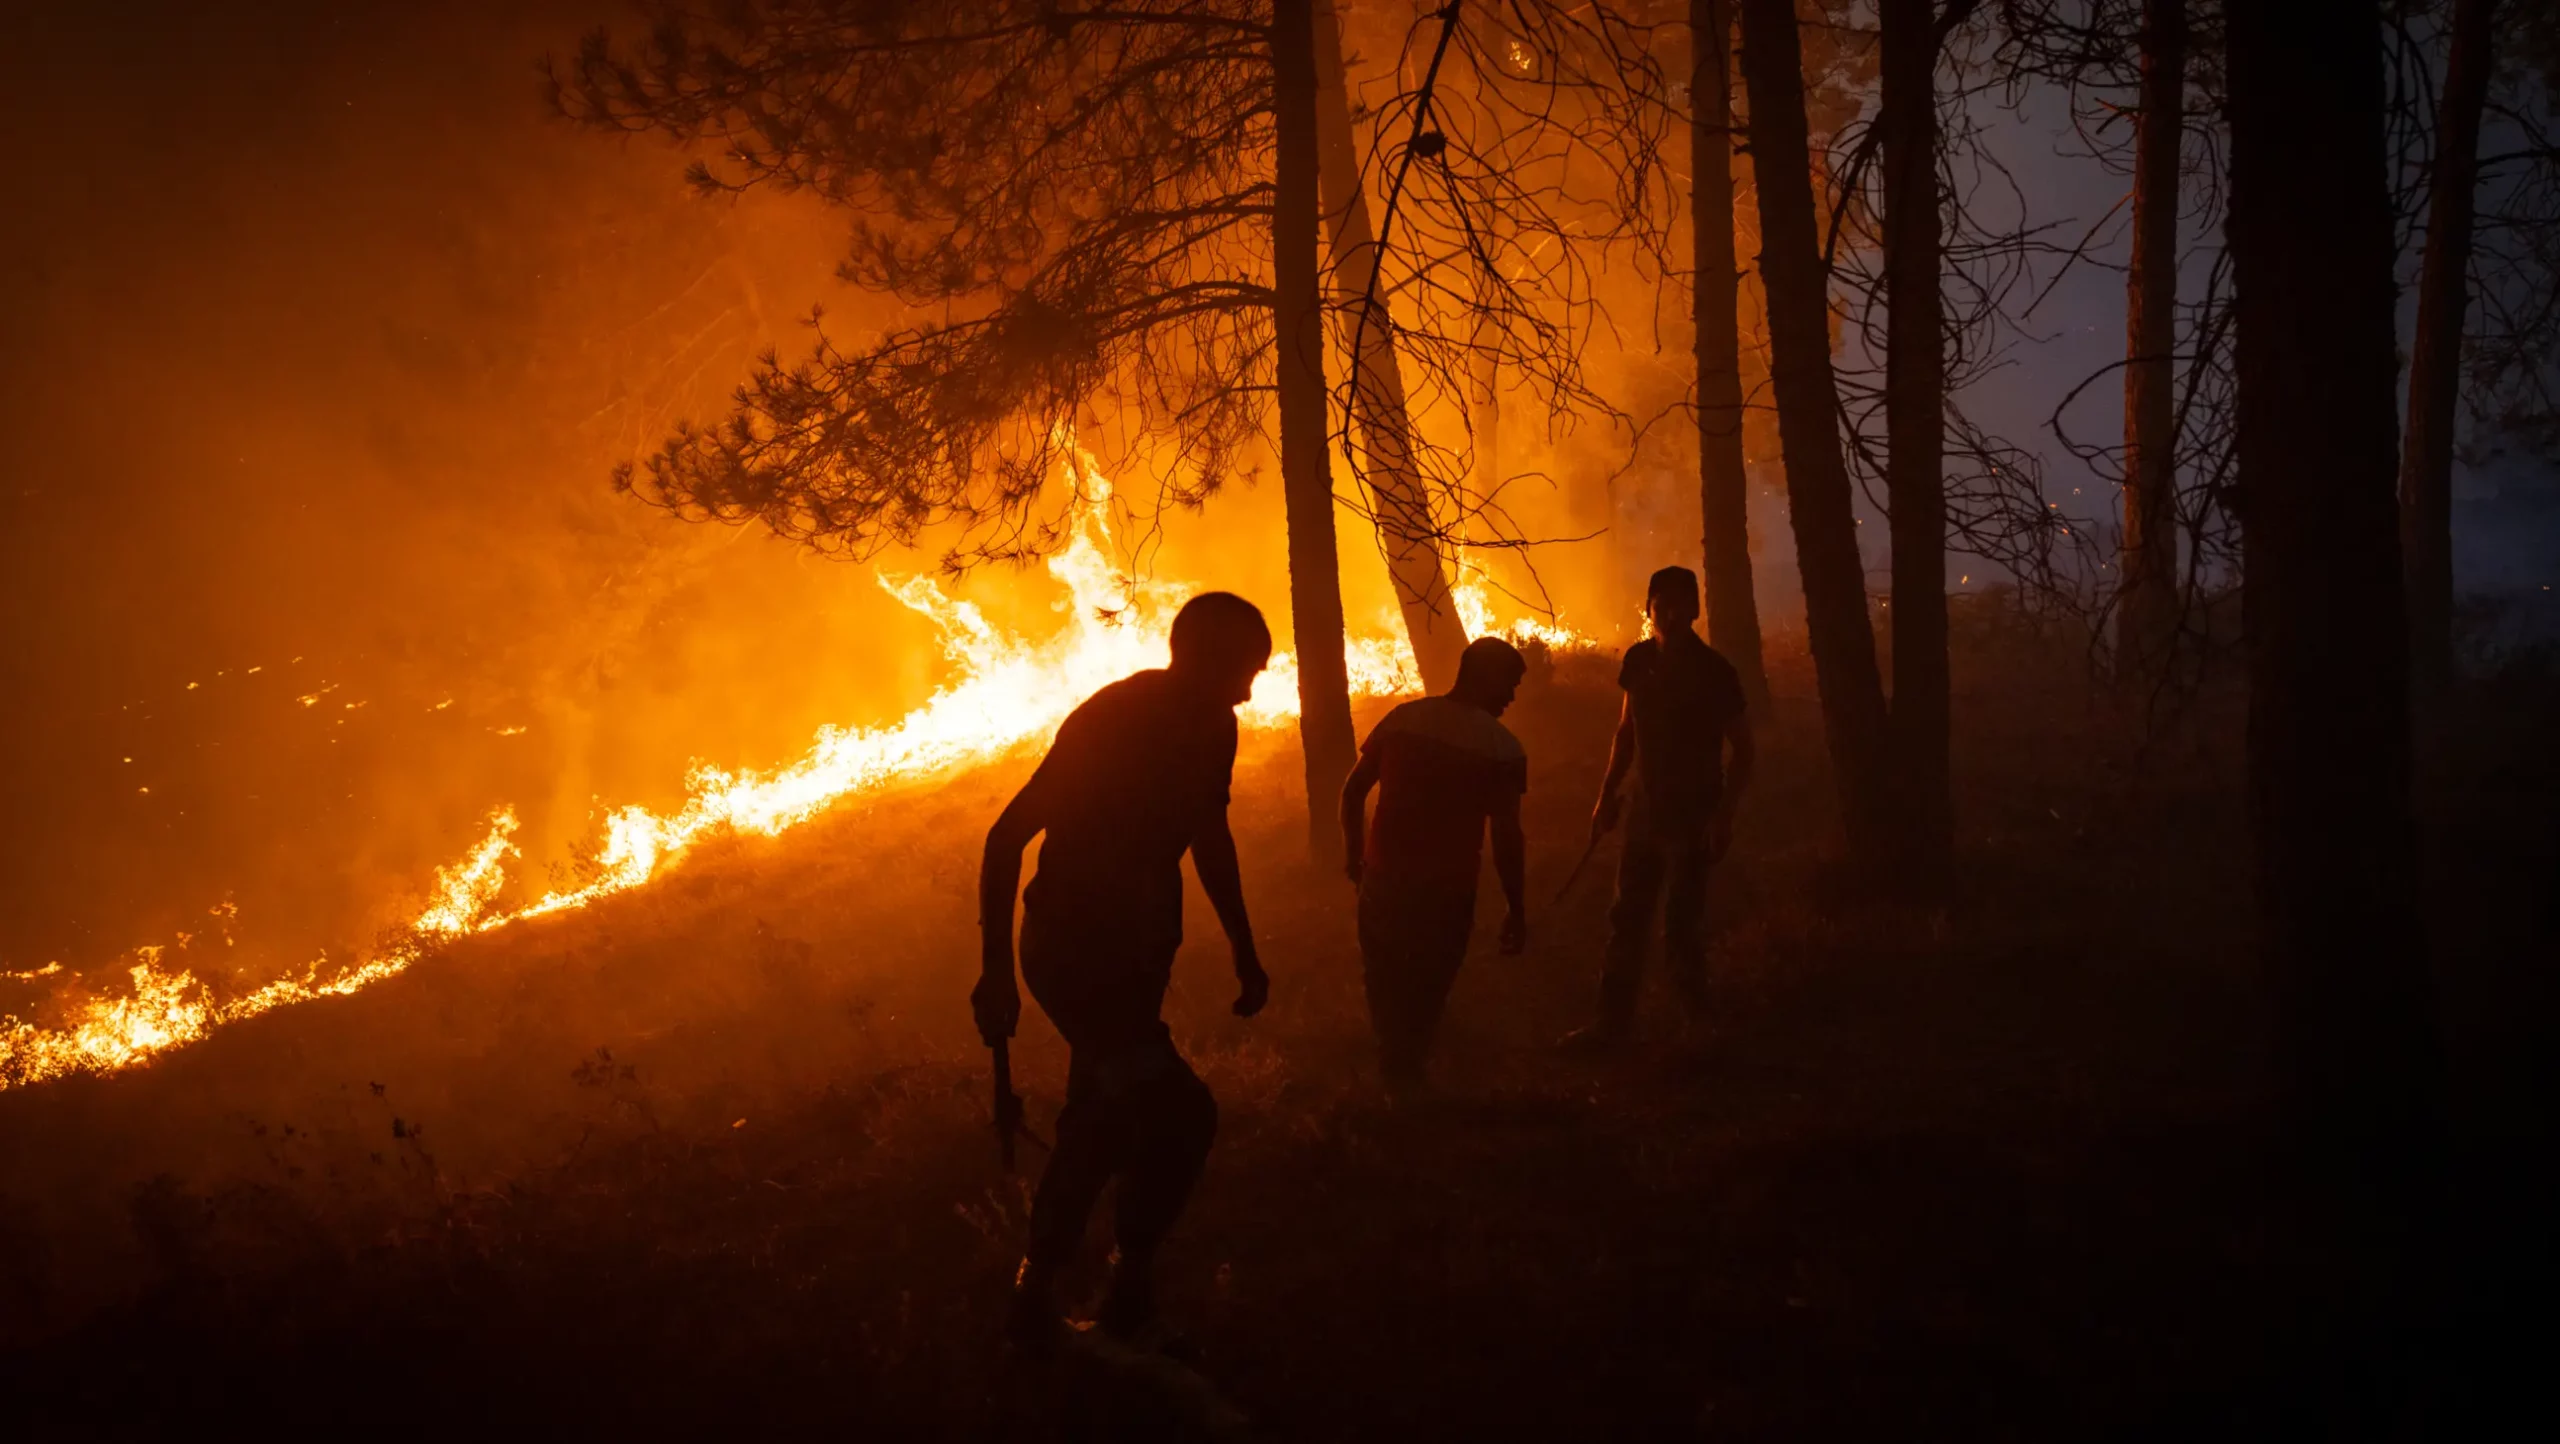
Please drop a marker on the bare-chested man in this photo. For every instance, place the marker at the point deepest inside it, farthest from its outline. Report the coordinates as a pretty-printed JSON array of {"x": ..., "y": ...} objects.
[{"x": 1138, "y": 776}]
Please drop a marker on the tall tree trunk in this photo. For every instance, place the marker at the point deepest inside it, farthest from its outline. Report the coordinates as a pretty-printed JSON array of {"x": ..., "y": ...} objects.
[
  {"x": 2310, "y": 231},
  {"x": 2435, "y": 355},
  {"x": 1733, "y": 613},
  {"x": 1797, "y": 284},
  {"x": 1315, "y": 586},
  {"x": 2147, "y": 622},
  {"x": 1915, "y": 436},
  {"x": 1382, "y": 427},
  {"x": 1484, "y": 391}
]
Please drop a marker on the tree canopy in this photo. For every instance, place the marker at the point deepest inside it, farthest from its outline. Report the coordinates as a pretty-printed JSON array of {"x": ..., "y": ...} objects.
[{"x": 1073, "y": 206}]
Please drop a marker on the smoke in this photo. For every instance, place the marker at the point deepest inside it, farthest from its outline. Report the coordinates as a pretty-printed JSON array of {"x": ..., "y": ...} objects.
[{"x": 323, "y": 341}]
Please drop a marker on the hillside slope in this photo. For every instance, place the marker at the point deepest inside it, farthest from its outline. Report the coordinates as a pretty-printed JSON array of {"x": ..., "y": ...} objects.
[{"x": 714, "y": 1155}]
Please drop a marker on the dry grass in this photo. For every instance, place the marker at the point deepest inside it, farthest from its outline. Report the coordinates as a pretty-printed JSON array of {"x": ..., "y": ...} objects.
[{"x": 714, "y": 1157}]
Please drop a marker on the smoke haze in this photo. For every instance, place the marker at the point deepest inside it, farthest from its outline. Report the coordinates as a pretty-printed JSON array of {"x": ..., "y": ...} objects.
[{"x": 323, "y": 341}]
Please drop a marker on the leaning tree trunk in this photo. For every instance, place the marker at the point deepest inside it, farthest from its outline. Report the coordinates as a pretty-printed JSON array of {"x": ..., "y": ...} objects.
[
  {"x": 1915, "y": 399},
  {"x": 2147, "y": 619},
  {"x": 1733, "y": 613},
  {"x": 1484, "y": 419},
  {"x": 1484, "y": 393},
  {"x": 1382, "y": 427},
  {"x": 2310, "y": 231},
  {"x": 2435, "y": 355},
  {"x": 1484, "y": 431},
  {"x": 1315, "y": 587},
  {"x": 1796, "y": 280}
]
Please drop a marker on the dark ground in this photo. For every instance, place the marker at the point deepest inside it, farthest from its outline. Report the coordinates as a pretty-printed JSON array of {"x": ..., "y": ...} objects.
[{"x": 713, "y": 1159}]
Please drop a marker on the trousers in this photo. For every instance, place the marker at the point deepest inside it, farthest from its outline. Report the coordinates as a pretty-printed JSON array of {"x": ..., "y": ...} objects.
[
  {"x": 1136, "y": 1115},
  {"x": 1412, "y": 941},
  {"x": 1664, "y": 870}
]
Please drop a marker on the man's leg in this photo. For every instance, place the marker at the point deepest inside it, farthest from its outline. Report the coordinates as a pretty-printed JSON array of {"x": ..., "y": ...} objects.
[
  {"x": 1684, "y": 924},
  {"x": 1411, "y": 946},
  {"x": 1440, "y": 928},
  {"x": 1640, "y": 869},
  {"x": 1385, "y": 975},
  {"x": 1172, "y": 1121},
  {"x": 1083, "y": 1162}
]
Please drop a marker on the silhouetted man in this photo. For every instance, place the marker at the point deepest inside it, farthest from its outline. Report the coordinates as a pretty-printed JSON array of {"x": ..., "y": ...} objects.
[
  {"x": 1137, "y": 776},
  {"x": 1684, "y": 705},
  {"x": 1443, "y": 767}
]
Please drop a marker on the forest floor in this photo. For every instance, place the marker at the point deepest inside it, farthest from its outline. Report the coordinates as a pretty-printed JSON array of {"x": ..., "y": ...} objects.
[{"x": 713, "y": 1158}]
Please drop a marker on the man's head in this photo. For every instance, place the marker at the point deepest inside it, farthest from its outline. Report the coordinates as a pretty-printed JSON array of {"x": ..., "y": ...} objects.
[
  {"x": 1220, "y": 644},
  {"x": 1671, "y": 600},
  {"x": 1489, "y": 673}
]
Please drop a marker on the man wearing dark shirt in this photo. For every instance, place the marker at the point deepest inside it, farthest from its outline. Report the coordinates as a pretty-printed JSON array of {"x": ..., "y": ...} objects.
[
  {"x": 1443, "y": 767},
  {"x": 1138, "y": 776},
  {"x": 1684, "y": 704}
]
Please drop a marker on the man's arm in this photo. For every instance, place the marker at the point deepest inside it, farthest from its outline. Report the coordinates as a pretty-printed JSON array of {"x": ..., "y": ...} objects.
[
  {"x": 1510, "y": 851},
  {"x": 1737, "y": 778},
  {"x": 1213, "y": 857},
  {"x": 1622, "y": 759},
  {"x": 1355, "y": 807},
  {"x": 996, "y": 1001}
]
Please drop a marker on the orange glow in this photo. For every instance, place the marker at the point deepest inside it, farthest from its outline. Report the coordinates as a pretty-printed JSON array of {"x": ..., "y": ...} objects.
[{"x": 1007, "y": 691}]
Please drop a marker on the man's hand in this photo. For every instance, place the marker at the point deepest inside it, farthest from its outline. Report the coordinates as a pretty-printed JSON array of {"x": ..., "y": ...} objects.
[
  {"x": 997, "y": 1005},
  {"x": 1719, "y": 833},
  {"x": 1253, "y": 987},
  {"x": 1605, "y": 815},
  {"x": 1515, "y": 933}
]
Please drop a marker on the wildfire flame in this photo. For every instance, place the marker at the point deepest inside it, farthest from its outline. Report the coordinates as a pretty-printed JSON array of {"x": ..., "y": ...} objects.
[
  {"x": 1475, "y": 613},
  {"x": 1008, "y": 691}
]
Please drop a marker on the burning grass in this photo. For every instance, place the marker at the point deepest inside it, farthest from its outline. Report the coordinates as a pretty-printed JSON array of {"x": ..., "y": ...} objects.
[{"x": 1005, "y": 692}]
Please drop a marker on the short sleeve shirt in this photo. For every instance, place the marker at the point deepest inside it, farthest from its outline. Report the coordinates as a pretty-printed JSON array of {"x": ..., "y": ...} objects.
[
  {"x": 1444, "y": 767},
  {"x": 1137, "y": 770},
  {"x": 1684, "y": 696}
]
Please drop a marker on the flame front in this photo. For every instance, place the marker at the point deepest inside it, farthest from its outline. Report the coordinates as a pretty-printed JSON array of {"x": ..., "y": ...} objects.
[{"x": 1008, "y": 692}]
